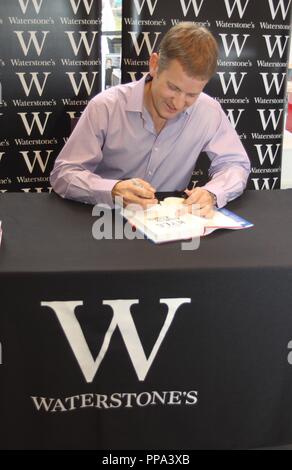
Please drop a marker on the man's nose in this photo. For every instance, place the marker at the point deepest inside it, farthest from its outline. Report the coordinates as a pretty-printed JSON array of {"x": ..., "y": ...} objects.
[{"x": 179, "y": 101}]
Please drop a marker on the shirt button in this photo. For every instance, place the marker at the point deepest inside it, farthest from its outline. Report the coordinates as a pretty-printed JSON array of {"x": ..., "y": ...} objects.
[
  {"x": 150, "y": 173},
  {"x": 155, "y": 148}
]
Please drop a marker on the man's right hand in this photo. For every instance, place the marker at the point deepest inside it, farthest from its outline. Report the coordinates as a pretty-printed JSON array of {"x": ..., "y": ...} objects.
[{"x": 135, "y": 191}]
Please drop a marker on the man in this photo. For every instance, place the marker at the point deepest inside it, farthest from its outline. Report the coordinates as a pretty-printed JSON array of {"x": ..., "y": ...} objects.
[
  {"x": 135, "y": 139},
  {"x": 108, "y": 73}
]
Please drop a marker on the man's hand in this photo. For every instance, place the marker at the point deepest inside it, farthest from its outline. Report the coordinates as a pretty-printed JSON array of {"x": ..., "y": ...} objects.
[
  {"x": 204, "y": 200},
  {"x": 135, "y": 191}
]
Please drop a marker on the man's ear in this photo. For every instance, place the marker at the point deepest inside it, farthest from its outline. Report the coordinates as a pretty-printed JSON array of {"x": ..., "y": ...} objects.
[{"x": 153, "y": 64}]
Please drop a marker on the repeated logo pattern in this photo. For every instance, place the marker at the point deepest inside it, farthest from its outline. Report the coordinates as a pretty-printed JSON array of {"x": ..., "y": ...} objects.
[{"x": 50, "y": 67}]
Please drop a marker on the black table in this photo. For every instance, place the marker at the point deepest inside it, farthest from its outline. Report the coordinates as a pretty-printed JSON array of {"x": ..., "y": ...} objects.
[{"x": 124, "y": 344}]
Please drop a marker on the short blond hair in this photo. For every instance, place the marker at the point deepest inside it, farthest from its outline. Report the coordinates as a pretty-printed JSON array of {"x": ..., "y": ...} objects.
[{"x": 195, "y": 48}]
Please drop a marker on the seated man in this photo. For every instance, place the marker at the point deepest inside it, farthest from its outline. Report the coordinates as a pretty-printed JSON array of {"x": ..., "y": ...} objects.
[{"x": 138, "y": 138}]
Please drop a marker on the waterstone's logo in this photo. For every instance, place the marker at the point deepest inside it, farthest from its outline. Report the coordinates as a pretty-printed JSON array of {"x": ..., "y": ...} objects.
[
  {"x": 116, "y": 400},
  {"x": 122, "y": 320}
]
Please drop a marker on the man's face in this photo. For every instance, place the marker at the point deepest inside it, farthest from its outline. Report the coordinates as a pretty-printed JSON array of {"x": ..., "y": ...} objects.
[{"x": 172, "y": 90}]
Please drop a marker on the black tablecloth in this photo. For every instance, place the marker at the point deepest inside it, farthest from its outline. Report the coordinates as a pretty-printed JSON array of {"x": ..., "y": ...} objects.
[{"x": 219, "y": 378}]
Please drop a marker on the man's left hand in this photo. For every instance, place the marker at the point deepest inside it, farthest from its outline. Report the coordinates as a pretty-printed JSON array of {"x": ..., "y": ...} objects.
[{"x": 203, "y": 199}]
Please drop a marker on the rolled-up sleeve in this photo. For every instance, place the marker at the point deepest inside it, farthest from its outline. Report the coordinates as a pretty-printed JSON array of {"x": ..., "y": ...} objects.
[{"x": 230, "y": 165}]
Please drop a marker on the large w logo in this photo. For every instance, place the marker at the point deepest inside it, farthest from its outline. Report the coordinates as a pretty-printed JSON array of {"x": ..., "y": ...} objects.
[
  {"x": 33, "y": 80},
  {"x": 33, "y": 39},
  {"x": 145, "y": 40},
  {"x": 233, "y": 81},
  {"x": 270, "y": 152},
  {"x": 274, "y": 81},
  {"x": 236, "y": 3},
  {"x": 83, "y": 80},
  {"x": 82, "y": 41},
  {"x": 281, "y": 6},
  {"x": 24, "y": 4},
  {"x": 196, "y": 7},
  {"x": 37, "y": 157},
  {"x": 272, "y": 118},
  {"x": 151, "y": 6},
  {"x": 122, "y": 319},
  {"x": 35, "y": 121},
  {"x": 234, "y": 43},
  {"x": 76, "y": 3},
  {"x": 279, "y": 45}
]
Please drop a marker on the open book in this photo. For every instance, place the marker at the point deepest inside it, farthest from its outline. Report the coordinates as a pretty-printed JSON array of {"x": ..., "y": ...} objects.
[{"x": 164, "y": 223}]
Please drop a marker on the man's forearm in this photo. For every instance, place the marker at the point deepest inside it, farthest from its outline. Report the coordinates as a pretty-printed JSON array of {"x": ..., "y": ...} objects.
[
  {"x": 228, "y": 183},
  {"x": 81, "y": 185}
]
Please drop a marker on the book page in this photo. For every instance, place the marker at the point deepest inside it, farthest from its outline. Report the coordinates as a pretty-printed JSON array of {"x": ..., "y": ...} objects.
[
  {"x": 169, "y": 222},
  {"x": 220, "y": 220}
]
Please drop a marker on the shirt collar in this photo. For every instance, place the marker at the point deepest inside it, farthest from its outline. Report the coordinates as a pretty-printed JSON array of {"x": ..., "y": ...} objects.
[
  {"x": 135, "y": 101},
  {"x": 135, "y": 98}
]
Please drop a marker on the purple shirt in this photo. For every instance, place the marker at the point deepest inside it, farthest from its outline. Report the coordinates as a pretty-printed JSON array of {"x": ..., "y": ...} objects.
[{"x": 115, "y": 139}]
